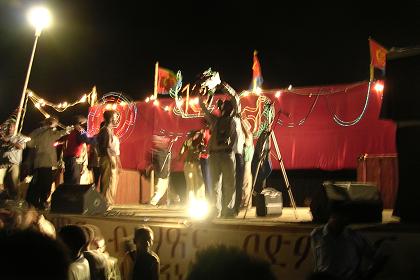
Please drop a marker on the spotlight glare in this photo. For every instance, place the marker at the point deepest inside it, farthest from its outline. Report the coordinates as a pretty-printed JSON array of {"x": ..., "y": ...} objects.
[
  {"x": 198, "y": 209},
  {"x": 379, "y": 87}
]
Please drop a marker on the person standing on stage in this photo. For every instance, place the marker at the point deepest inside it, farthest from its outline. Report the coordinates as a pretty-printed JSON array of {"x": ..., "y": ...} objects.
[
  {"x": 238, "y": 148},
  {"x": 108, "y": 160},
  {"x": 44, "y": 156},
  {"x": 204, "y": 159},
  {"x": 11, "y": 158},
  {"x": 73, "y": 151},
  {"x": 248, "y": 154},
  {"x": 222, "y": 158},
  {"x": 93, "y": 159},
  {"x": 161, "y": 165},
  {"x": 192, "y": 169}
]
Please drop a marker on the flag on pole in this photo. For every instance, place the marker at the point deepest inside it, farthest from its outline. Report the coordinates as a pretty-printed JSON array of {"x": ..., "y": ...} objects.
[
  {"x": 377, "y": 57},
  {"x": 166, "y": 79},
  {"x": 257, "y": 78}
]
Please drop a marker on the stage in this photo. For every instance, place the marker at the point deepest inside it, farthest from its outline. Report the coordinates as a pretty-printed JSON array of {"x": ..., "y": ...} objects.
[{"x": 282, "y": 240}]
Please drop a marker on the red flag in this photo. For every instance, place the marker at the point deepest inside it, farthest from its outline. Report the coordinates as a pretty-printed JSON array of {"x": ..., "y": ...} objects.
[
  {"x": 257, "y": 79},
  {"x": 166, "y": 80},
  {"x": 377, "y": 55}
]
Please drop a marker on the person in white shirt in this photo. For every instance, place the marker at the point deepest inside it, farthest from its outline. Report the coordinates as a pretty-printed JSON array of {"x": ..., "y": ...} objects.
[
  {"x": 74, "y": 237},
  {"x": 11, "y": 158}
]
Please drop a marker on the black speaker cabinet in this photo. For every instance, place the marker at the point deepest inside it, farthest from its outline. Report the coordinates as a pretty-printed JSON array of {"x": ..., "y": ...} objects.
[
  {"x": 78, "y": 199},
  {"x": 362, "y": 202},
  {"x": 401, "y": 96}
]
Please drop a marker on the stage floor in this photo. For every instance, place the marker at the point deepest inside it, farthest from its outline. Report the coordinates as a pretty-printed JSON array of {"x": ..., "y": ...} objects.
[{"x": 301, "y": 217}]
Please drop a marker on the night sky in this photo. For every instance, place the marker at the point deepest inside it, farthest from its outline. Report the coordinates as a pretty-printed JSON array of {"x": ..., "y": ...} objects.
[{"x": 115, "y": 44}]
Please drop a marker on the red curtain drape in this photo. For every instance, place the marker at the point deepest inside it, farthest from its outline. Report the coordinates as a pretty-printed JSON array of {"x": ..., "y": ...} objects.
[{"x": 309, "y": 138}]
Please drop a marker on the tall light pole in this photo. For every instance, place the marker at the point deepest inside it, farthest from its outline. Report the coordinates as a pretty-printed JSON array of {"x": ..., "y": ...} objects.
[{"x": 40, "y": 18}]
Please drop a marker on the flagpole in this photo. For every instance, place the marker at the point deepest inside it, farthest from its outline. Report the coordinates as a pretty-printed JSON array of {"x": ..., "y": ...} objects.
[
  {"x": 372, "y": 71},
  {"x": 156, "y": 79},
  {"x": 187, "y": 99}
]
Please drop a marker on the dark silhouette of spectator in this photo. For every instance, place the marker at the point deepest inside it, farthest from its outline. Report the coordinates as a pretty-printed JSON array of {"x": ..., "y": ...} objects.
[
  {"x": 141, "y": 263},
  {"x": 74, "y": 237},
  {"x": 321, "y": 276},
  {"x": 101, "y": 265},
  {"x": 17, "y": 215},
  {"x": 342, "y": 252},
  {"x": 222, "y": 262},
  {"x": 29, "y": 254}
]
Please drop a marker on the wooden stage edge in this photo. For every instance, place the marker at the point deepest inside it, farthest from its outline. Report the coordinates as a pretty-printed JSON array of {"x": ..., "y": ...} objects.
[
  {"x": 177, "y": 216},
  {"x": 283, "y": 241}
]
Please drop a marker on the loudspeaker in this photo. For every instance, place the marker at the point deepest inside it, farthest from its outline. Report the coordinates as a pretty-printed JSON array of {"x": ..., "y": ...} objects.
[
  {"x": 269, "y": 202},
  {"x": 361, "y": 202},
  {"x": 401, "y": 96},
  {"x": 78, "y": 199}
]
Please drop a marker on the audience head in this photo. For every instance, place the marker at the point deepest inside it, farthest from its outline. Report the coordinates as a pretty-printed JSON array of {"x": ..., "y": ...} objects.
[
  {"x": 95, "y": 239},
  {"x": 222, "y": 262},
  {"x": 74, "y": 237},
  {"x": 11, "y": 127},
  {"x": 321, "y": 275},
  {"x": 143, "y": 237},
  {"x": 28, "y": 254}
]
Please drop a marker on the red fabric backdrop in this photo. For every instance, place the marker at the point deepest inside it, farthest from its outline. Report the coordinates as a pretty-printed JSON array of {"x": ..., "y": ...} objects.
[{"x": 308, "y": 139}]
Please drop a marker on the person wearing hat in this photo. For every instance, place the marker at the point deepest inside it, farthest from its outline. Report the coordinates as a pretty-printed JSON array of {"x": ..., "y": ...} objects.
[
  {"x": 43, "y": 155},
  {"x": 73, "y": 151}
]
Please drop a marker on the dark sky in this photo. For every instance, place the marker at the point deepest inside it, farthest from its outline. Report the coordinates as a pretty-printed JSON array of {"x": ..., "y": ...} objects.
[{"x": 115, "y": 44}]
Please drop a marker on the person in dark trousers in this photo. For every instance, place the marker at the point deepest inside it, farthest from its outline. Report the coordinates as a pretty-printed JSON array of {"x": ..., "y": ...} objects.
[
  {"x": 93, "y": 160},
  {"x": 222, "y": 158},
  {"x": 43, "y": 154},
  {"x": 73, "y": 151}
]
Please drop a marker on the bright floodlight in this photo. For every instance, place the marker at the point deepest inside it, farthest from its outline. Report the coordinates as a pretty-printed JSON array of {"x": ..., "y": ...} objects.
[
  {"x": 40, "y": 18},
  {"x": 379, "y": 87},
  {"x": 198, "y": 209}
]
